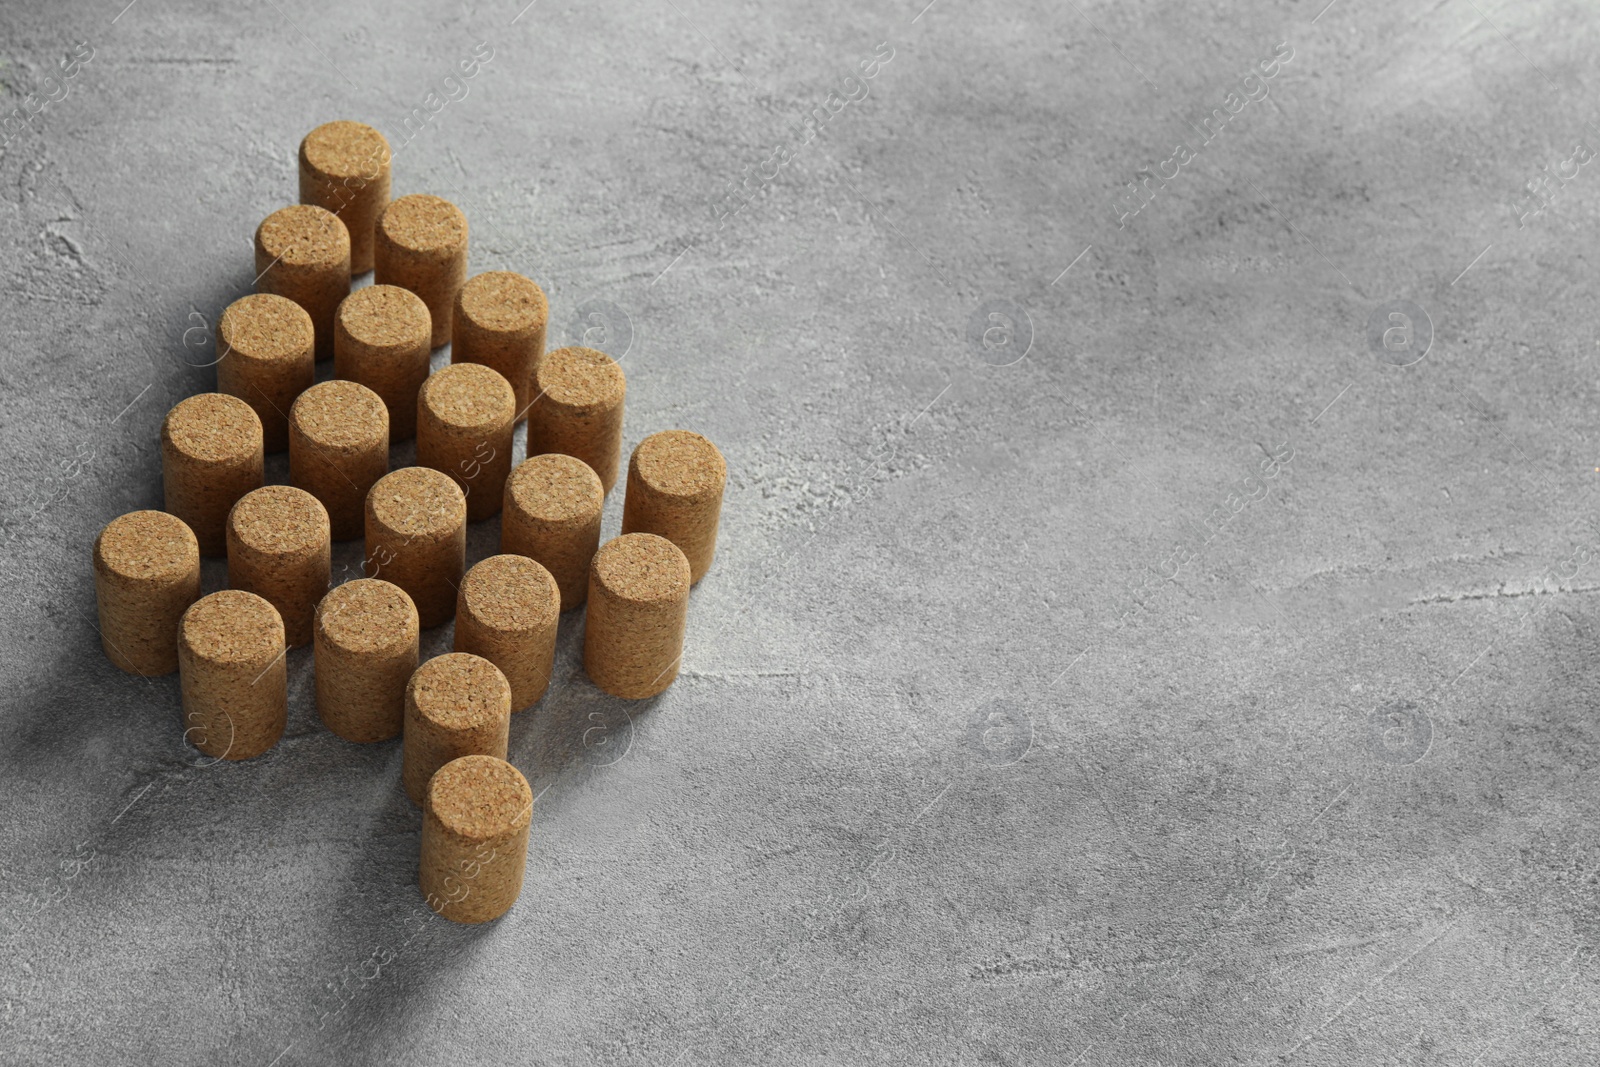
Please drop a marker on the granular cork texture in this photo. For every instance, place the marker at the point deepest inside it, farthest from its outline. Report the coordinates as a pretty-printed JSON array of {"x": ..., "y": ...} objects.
[
  {"x": 421, "y": 245},
  {"x": 577, "y": 409},
  {"x": 465, "y": 415},
  {"x": 675, "y": 482},
  {"x": 232, "y": 674},
  {"x": 210, "y": 457},
  {"x": 382, "y": 337},
  {"x": 417, "y": 538},
  {"x": 146, "y": 574},
  {"x": 638, "y": 606},
  {"x": 268, "y": 359},
  {"x": 499, "y": 320},
  {"x": 344, "y": 168},
  {"x": 338, "y": 449},
  {"x": 552, "y": 515},
  {"x": 507, "y": 613},
  {"x": 366, "y": 648},
  {"x": 474, "y": 839},
  {"x": 278, "y": 548},
  {"x": 303, "y": 253},
  {"x": 456, "y": 705}
]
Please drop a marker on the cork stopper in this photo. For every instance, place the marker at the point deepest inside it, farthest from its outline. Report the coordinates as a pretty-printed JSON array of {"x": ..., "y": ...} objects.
[
  {"x": 577, "y": 409},
  {"x": 675, "y": 483},
  {"x": 344, "y": 167},
  {"x": 268, "y": 358},
  {"x": 474, "y": 845},
  {"x": 338, "y": 449},
  {"x": 638, "y": 607},
  {"x": 552, "y": 515},
  {"x": 367, "y": 641},
  {"x": 278, "y": 548},
  {"x": 210, "y": 456},
  {"x": 641, "y": 569},
  {"x": 465, "y": 414},
  {"x": 421, "y": 244},
  {"x": 382, "y": 338},
  {"x": 146, "y": 574},
  {"x": 367, "y": 616},
  {"x": 479, "y": 798},
  {"x": 500, "y": 321},
  {"x": 457, "y": 705},
  {"x": 146, "y": 546},
  {"x": 507, "y": 613},
  {"x": 416, "y": 538},
  {"x": 233, "y": 678},
  {"x": 303, "y": 254}
]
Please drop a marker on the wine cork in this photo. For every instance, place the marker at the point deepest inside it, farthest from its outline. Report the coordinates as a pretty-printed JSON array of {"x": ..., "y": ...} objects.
[
  {"x": 474, "y": 839},
  {"x": 210, "y": 457},
  {"x": 382, "y": 339},
  {"x": 365, "y": 650},
  {"x": 464, "y": 421},
  {"x": 417, "y": 539},
  {"x": 638, "y": 605},
  {"x": 232, "y": 675},
  {"x": 552, "y": 516},
  {"x": 344, "y": 168},
  {"x": 507, "y": 613},
  {"x": 338, "y": 449},
  {"x": 675, "y": 482},
  {"x": 456, "y": 705},
  {"x": 303, "y": 253},
  {"x": 278, "y": 549},
  {"x": 577, "y": 409},
  {"x": 146, "y": 574},
  {"x": 421, "y": 244},
  {"x": 267, "y": 360},
  {"x": 499, "y": 321}
]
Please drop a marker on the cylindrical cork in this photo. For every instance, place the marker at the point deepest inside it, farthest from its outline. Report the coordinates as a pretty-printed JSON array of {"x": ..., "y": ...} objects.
[
  {"x": 499, "y": 321},
  {"x": 638, "y": 605},
  {"x": 210, "y": 457},
  {"x": 675, "y": 481},
  {"x": 146, "y": 574},
  {"x": 474, "y": 839},
  {"x": 552, "y": 516},
  {"x": 577, "y": 409},
  {"x": 366, "y": 649},
  {"x": 267, "y": 360},
  {"x": 303, "y": 253},
  {"x": 382, "y": 338},
  {"x": 417, "y": 539},
  {"x": 464, "y": 420},
  {"x": 507, "y": 613},
  {"x": 456, "y": 705},
  {"x": 232, "y": 675},
  {"x": 421, "y": 244},
  {"x": 278, "y": 549},
  {"x": 338, "y": 449},
  {"x": 344, "y": 168}
]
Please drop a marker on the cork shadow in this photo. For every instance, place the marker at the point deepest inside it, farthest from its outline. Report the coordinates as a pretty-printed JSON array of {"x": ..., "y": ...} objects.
[{"x": 575, "y": 724}]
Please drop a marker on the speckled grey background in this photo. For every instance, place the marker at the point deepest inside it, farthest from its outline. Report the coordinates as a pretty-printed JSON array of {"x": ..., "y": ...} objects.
[{"x": 1161, "y": 670}]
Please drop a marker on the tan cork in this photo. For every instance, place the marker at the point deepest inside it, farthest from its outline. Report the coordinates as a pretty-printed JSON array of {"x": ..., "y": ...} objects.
[
  {"x": 382, "y": 339},
  {"x": 338, "y": 449},
  {"x": 499, "y": 321},
  {"x": 344, "y": 168},
  {"x": 232, "y": 675},
  {"x": 417, "y": 539},
  {"x": 507, "y": 613},
  {"x": 577, "y": 409},
  {"x": 465, "y": 415},
  {"x": 421, "y": 245},
  {"x": 675, "y": 482},
  {"x": 366, "y": 649},
  {"x": 303, "y": 253},
  {"x": 638, "y": 605},
  {"x": 474, "y": 839},
  {"x": 267, "y": 360},
  {"x": 210, "y": 457},
  {"x": 552, "y": 516},
  {"x": 456, "y": 705},
  {"x": 278, "y": 549},
  {"x": 146, "y": 574}
]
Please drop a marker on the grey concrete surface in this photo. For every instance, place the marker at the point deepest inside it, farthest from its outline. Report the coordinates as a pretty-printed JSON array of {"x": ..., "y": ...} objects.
[{"x": 1164, "y": 671}]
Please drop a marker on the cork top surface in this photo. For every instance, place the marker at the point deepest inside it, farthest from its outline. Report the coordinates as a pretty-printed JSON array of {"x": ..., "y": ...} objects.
[
  {"x": 480, "y": 797},
  {"x": 470, "y": 396},
  {"x": 503, "y": 300},
  {"x": 460, "y": 691},
  {"x": 345, "y": 149},
  {"x": 386, "y": 316},
  {"x": 512, "y": 594},
  {"x": 424, "y": 223},
  {"x": 279, "y": 519},
  {"x": 232, "y": 626},
  {"x": 367, "y": 615},
  {"x": 642, "y": 568},
  {"x": 212, "y": 428},
  {"x": 415, "y": 501},
  {"x": 341, "y": 415},
  {"x": 556, "y": 488},
  {"x": 580, "y": 377},
  {"x": 303, "y": 235},
  {"x": 266, "y": 328},
  {"x": 680, "y": 463},
  {"x": 143, "y": 545}
]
